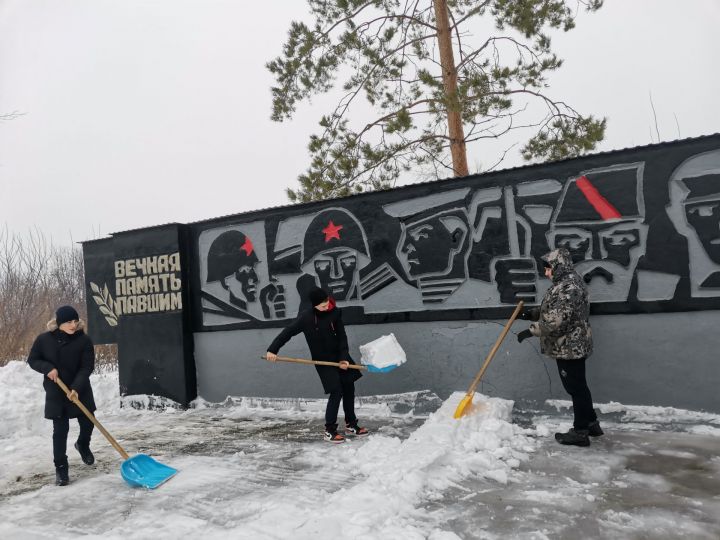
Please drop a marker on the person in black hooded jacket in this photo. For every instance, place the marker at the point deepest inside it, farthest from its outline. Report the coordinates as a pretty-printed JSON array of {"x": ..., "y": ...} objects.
[
  {"x": 65, "y": 351},
  {"x": 325, "y": 334}
]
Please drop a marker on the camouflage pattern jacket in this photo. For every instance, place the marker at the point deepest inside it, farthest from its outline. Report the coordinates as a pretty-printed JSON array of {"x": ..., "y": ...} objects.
[{"x": 563, "y": 325}]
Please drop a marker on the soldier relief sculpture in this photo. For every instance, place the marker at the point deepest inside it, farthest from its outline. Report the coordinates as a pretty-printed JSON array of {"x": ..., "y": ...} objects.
[
  {"x": 333, "y": 252},
  {"x": 232, "y": 287},
  {"x": 468, "y": 247}
]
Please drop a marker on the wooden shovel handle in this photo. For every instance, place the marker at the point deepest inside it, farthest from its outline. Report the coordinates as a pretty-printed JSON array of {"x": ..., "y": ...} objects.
[
  {"x": 314, "y": 362},
  {"x": 94, "y": 420},
  {"x": 499, "y": 341}
]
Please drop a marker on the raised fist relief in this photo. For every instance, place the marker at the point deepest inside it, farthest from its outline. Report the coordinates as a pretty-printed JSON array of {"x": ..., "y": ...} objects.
[
  {"x": 516, "y": 280},
  {"x": 272, "y": 300}
]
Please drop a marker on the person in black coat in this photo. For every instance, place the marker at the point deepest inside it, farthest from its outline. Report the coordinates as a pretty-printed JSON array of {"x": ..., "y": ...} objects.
[
  {"x": 325, "y": 334},
  {"x": 65, "y": 351}
]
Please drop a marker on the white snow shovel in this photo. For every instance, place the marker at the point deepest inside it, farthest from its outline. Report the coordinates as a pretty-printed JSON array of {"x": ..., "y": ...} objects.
[
  {"x": 379, "y": 356},
  {"x": 370, "y": 368}
]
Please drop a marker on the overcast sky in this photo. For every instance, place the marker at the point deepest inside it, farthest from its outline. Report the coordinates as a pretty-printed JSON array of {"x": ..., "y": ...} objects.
[{"x": 137, "y": 113}]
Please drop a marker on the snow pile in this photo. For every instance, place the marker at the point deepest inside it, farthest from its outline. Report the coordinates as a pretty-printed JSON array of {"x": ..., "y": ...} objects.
[
  {"x": 249, "y": 407},
  {"x": 402, "y": 475},
  {"x": 383, "y": 352},
  {"x": 649, "y": 413},
  {"x": 25, "y": 434},
  {"x": 22, "y": 399},
  {"x": 643, "y": 417}
]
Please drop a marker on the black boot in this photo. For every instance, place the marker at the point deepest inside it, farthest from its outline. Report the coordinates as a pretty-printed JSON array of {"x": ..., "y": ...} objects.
[
  {"x": 594, "y": 429},
  {"x": 61, "y": 475},
  {"x": 576, "y": 437},
  {"x": 85, "y": 454}
]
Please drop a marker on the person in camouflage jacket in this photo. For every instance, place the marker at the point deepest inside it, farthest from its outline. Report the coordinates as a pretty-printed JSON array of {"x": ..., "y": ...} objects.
[{"x": 563, "y": 326}]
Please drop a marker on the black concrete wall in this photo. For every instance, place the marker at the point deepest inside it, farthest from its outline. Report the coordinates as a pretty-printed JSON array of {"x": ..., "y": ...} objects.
[
  {"x": 139, "y": 276},
  {"x": 642, "y": 224}
]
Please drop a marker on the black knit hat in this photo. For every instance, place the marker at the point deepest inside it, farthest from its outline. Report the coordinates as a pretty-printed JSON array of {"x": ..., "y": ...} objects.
[
  {"x": 65, "y": 314},
  {"x": 317, "y": 296}
]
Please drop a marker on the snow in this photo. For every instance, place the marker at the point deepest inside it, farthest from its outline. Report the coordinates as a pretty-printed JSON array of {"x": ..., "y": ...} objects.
[
  {"x": 383, "y": 352},
  {"x": 256, "y": 468}
]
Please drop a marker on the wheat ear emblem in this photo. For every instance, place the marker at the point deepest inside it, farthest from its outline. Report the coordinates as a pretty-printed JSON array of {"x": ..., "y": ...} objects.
[{"x": 105, "y": 303}]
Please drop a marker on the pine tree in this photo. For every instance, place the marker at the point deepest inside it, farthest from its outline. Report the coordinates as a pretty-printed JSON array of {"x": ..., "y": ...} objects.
[{"x": 435, "y": 85}]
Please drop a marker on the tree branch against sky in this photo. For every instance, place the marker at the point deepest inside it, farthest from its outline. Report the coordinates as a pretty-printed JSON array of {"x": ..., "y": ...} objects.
[
  {"x": 434, "y": 82},
  {"x": 10, "y": 116}
]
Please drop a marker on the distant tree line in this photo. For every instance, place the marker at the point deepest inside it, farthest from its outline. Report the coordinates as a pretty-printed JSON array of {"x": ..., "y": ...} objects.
[{"x": 36, "y": 277}]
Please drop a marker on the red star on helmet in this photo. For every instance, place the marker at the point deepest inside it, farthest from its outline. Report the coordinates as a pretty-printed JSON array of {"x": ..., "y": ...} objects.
[
  {"x": 332, "y": 231},
  {"x": 247, "y": 247}
]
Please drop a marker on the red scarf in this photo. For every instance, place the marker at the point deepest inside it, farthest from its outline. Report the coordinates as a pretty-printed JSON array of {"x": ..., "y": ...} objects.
[{"x": 331, "y": 306}]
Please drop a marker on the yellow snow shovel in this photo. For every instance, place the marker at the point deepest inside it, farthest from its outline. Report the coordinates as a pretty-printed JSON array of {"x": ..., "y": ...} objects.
[
  {"x": 138, "y": 471},
  {"x": 466, "y": 402}
]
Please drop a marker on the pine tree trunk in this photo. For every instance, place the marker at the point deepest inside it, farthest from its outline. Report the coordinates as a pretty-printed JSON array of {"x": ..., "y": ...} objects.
[{"x": 449, "y": 75}]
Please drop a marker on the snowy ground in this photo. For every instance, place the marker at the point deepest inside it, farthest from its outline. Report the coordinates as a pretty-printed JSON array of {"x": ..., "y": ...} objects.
[{"x": 253, "y": 468}]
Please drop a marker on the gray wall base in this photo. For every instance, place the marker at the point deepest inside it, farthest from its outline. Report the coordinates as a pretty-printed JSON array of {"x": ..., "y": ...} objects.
[{"x": 667, "y": 359}]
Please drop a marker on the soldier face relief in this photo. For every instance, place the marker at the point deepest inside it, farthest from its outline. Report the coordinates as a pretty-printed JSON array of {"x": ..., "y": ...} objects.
[
  {"x": 244, "y": 283},
  {"x": 599, "y": 221},
  {"x": 334, "y": 251},
  {"x": 704, "y": 218},
  {"x": 427, "y": 247},
  {"x": 604, "y": 254},
  {"x": 231, "y": 260},
  {"x": 337, "y": 272},
  {"x": 694, "y": 209}
]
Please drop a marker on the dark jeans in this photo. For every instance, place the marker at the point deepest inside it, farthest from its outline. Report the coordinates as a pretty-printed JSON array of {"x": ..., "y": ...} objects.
[
  {"x": 572, "y": 375},
  {"x": 346, "y": 393},
  {"x": 61, "y": 427}
]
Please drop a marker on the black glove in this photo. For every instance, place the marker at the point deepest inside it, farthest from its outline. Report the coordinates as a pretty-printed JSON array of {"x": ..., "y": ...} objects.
[
  {"x": 530, "y": 314},
  {"x": 524, "y": 335}
]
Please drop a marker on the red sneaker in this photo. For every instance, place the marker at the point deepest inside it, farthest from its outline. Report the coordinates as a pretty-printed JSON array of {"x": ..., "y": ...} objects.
[{"x": 356, "y": 431}]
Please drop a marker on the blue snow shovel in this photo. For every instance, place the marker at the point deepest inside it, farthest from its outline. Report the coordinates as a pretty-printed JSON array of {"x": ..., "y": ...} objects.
[{"x": 138, "y": 471}]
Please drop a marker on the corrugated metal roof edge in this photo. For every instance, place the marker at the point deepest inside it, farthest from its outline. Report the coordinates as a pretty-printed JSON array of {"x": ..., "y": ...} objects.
[{"x": 440, "y": 180}]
